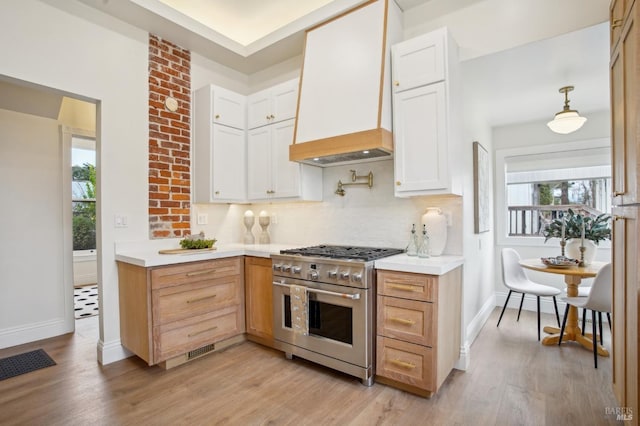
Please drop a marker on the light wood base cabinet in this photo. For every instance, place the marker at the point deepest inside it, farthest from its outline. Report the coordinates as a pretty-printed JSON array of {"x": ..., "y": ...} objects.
[
  {"x": 171, "y": 314},
  {"x": 418, "y": 329},
  {"x": 259, "y": 300}
]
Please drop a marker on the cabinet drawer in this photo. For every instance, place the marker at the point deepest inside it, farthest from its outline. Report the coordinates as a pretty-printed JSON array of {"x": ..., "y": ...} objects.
[
  {"x": 407, "y": 285},
  {"x": 405, "y": 362},
  {"x": 195, "y": 272},
  {"x": 179, "y": 337},
  {"x": 408, "y": 320},
  {"x": 187, "y": 300}
]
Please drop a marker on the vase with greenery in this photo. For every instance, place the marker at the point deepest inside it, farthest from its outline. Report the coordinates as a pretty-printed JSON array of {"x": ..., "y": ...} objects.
[{"x": 596, "y": 229}]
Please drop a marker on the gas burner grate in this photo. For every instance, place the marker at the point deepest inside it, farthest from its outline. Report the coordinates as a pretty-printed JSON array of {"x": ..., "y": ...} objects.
[{"x": 344, "y": 252}]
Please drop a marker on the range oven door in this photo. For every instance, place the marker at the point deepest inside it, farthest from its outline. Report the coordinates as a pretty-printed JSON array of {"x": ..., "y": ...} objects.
[{"x": 340, "y": 319}]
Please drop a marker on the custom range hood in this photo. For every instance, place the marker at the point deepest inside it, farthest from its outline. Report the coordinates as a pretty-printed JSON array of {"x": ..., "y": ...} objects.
[{"x": 344, "y": 103}]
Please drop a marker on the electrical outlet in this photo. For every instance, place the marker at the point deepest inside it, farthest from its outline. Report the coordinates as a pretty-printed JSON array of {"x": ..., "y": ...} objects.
[
  {"x": 274, "y": 219},
  {"x": 203, "y": 219}
]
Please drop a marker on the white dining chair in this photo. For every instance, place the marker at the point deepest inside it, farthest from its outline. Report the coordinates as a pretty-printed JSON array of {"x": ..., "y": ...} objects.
[
  {"x": 516, "y": 280},
  {"x": 598, "y": 301}
]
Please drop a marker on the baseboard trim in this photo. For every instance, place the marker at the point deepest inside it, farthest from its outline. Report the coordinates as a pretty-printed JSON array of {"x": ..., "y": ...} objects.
[
  {"x": 32, "y": 332},
  {"x": 472, "y": 331},
  {"x": 113, "y": 351}
]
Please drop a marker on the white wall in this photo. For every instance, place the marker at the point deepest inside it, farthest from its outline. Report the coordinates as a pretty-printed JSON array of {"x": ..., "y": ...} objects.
[
  {"x": 87, "y": 57},
  {"x": 32, "y": 282}
]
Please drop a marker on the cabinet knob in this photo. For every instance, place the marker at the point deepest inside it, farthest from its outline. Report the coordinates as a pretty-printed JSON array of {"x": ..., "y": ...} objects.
[
  {"x": 396, "y": 83},
  {"x": 217, "y": 116},
  {"x": 616, "y": 217},
  {"x": 398, "y": 183},
  {"x": 217, "y": 192},
  {"x": 268, "y": 117},
  {"x": 618, "y": 193},
  {"x": 272, "y": 116}
]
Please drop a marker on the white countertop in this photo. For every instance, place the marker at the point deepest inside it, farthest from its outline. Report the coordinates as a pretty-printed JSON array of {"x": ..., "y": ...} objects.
[
  {"x": 435, "y": 265},
  {"x": 147, "y": 255}
]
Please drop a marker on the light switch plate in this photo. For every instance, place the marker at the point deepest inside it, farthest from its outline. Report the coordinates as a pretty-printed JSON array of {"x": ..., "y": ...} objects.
[{"x": 203, "y": 219}]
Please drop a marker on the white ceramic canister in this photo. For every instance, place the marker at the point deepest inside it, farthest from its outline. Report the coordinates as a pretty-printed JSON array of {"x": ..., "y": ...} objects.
[{"x": 436, "y": 224}]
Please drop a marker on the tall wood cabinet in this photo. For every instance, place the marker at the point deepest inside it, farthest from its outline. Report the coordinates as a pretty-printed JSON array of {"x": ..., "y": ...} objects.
[
  {"x": 171, "y": 314},
  {"x": 625, "y": 138},
  {"x": 418, "y": 329}
]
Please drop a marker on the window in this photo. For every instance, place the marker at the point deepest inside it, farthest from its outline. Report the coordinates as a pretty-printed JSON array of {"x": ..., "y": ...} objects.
[
  {"x": 83, "y": 193},
  {"x": 541, "y": 183}
]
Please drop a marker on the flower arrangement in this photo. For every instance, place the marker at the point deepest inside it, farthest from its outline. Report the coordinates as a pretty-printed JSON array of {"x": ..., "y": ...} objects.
[{"x": 595, "y": 229}]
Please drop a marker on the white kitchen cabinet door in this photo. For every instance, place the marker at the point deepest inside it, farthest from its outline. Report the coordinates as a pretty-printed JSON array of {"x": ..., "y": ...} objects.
[
  {"x": 419, "y": 61},
  {"x": 273, "y": 105},
  {"x": 285, "y": 174},
  {"x": 228, "y": 164},
  {"x": 271, "y": 176},
  {"x": 219, "y": 152},
  {"x": 259, "y": 163},
  {"x": 420, "y": 134},
  {"x": 284, "y": 101},
  {"x": 229, "y": 108}
]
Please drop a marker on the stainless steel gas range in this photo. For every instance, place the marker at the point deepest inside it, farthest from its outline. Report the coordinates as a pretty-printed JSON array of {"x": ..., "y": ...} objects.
[{"x": 324, "y": 306}]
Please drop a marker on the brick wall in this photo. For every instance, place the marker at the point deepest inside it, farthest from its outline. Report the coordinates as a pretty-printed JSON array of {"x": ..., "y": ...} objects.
[{"x": 169, "y": 140}]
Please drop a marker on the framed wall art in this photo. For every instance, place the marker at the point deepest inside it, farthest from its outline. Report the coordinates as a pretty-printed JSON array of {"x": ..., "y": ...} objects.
[{"x": 481, "y": 189}]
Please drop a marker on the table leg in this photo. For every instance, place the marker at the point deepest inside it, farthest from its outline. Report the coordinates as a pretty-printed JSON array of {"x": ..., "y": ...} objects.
[{"x": 572, "y": 330}]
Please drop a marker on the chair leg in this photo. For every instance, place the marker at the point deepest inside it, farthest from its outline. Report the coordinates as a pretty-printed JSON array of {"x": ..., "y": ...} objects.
[
  {"x": 595, "y": 339},
  {"x": 609, "y": 319},
  {"x": 564, "y": 323},
  {"x": 600, "y": 327},
  {"x": 520, "y": 308},
  {"x": 538, "y": 305},
  {"x": 504, "y": 307},
  {"x": 584, "y": 318},
  {"x": 555, "y": 305}
]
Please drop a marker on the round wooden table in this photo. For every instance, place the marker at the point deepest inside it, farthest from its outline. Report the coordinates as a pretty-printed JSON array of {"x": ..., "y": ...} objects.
[{"x": 572, "y": 277}]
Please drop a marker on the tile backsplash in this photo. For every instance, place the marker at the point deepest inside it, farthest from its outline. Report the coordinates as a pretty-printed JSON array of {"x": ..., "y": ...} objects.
[{"x": 369, "y": 217}]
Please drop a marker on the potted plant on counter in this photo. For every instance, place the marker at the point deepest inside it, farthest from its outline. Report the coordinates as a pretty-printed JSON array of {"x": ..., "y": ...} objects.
[{"x": 579, "y": 230}]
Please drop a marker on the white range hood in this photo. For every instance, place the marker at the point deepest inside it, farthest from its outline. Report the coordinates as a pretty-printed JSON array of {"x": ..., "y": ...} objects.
[{"x": 344, "y": 105}]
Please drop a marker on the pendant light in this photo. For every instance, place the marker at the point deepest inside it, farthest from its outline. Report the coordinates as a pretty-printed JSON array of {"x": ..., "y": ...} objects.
[{"x": 567, "y": 120}]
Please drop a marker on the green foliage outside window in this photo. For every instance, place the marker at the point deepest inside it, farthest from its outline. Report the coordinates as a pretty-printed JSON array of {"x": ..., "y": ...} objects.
[{"x": 84, "y": 212}]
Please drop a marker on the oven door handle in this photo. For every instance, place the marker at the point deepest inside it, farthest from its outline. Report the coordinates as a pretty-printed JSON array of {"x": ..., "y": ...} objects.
[{"x": 330, "y": 293}]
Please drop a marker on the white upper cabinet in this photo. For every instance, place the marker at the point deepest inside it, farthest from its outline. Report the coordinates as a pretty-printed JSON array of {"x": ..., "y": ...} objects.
[
  {"x": 271, "y": 175},
  {"x": 219, "y": 150},
  {"x": 229, "y": 108},
  {"x": 419, "y": 61},
  {"x": 273, "y": 105},
  {"x": 425, "y": 119}
]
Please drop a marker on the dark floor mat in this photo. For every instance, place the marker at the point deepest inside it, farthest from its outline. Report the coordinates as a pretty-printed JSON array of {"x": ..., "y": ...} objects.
[{"x": 24, "y": 363}]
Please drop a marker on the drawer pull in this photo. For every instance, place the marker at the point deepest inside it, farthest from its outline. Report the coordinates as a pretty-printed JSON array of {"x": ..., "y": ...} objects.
[
  {"x": 202, "y": 331},
  {"x": 402, "y": 287},
  {"x": 200, "y": 299},
  {"x": 206, "y": 271},
  {"x": 618, "y": 193},
  {"x": 402, "y": 364},
  {"x": 402, "y": 321}
]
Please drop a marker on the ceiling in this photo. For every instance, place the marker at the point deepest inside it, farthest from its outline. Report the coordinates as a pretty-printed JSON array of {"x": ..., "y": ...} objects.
[{"x": 246, "y": 35}]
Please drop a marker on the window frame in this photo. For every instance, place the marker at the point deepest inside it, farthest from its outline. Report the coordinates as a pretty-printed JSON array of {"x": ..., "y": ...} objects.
[{"x": 501, "y": 207}]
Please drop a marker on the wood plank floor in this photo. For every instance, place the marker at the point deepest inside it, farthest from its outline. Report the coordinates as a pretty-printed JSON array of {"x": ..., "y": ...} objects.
[{"x": 513, "y": 379}]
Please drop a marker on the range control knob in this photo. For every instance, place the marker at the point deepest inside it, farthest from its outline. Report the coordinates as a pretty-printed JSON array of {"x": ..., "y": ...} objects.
[
  {"x": 313, "y": 275},
  {"x": 286, "y": 268},
  {"x": 344, "y": 275},
  {"x": 277, "y": 266},
  {"x": 296, "y": 270},
  {"x": 332, "y": 274},
  {"x": 357, "y": 277}
]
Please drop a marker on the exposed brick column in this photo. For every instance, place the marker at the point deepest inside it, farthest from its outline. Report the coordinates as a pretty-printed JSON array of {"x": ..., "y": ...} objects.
[{"x": 169, "y": 140}]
